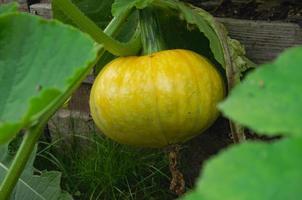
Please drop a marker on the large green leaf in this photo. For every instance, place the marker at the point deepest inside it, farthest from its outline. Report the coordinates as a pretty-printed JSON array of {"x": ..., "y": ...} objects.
[
  {"x": 44, "y": 186},
  {"x": 40, "y": 187},
  {"x": 39, "y": 62},
  {"x": 253, "y": 171},
  {"x": 193, "y": 17},
  {"x": 269, "y": 99},
  {"x": 193, "y": 195}
]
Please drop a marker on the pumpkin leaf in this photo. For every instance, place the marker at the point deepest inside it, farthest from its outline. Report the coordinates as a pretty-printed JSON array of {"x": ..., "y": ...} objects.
[
  {"x": 192, "y": 195},
  {"x": 120, "y": 6},
  {"x": 193, "y": 16},
  {"x": 257, "y": 171},
  {"x": 9, "y": 7},
  {"x": 35, "y": 71},
  {"x": 269, "y": 99},
  {"x": 46, "y": 185}
]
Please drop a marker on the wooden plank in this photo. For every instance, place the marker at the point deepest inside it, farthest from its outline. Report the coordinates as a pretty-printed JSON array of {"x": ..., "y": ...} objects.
[
  {"x": 79, "y": 100},
  {"x": 41, "y": 9},
  {"x": 67, "y": 124},
  {"x": 263, "y": 40}
]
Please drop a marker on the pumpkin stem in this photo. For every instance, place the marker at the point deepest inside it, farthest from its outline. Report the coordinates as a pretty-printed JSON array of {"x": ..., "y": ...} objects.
[
  {"x": 177, "y": 184},
  {"x": 151, "y": 35}
]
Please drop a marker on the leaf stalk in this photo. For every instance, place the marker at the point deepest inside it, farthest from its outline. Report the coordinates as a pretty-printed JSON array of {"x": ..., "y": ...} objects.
[{"x": 102, "y": 37}]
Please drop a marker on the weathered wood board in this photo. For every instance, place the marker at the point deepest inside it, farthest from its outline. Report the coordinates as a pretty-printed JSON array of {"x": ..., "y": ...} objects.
[
  {"x": 41, "y": 9},
  {"x": 263, "y": 40}
]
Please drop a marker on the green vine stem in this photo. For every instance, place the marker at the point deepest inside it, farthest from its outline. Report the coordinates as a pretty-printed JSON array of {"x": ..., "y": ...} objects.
[
  {"x": 23, "y": 154},
  {"x": 33, "y": 134},
  {"x": 151, "y": 35},
  {"x": 85, "y": 24}
]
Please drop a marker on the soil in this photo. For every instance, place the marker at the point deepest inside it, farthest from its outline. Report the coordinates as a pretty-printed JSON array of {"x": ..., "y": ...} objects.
[
  {"x": 286, "y": 10},
  {"x": 198, "y": 150}
]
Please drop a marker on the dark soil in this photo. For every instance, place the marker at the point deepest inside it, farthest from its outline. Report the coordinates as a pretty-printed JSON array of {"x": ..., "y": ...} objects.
[
  {"x": 287, "y": 10},
  {"x": 198, "y": 150}
]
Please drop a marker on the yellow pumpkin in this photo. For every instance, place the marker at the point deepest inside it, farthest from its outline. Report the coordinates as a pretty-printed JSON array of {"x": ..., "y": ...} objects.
[{"x": 156, "y": 100}]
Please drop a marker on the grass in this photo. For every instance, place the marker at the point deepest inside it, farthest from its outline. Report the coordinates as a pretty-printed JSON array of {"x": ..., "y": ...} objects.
[{"x": 98, "y": 168}]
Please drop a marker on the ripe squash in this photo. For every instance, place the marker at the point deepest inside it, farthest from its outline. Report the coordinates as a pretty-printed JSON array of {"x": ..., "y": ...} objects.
[{"x": 156, "y": 100}]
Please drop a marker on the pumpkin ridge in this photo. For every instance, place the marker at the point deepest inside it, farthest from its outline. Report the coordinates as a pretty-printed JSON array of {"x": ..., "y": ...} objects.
[
  {"x": 122, "y": 70},
  {"x": 174, "y": 88},
  {"x": 194, "y": 75},
  {"x": 209, "y": 100},
  {"x": 154, "y": 73}
]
